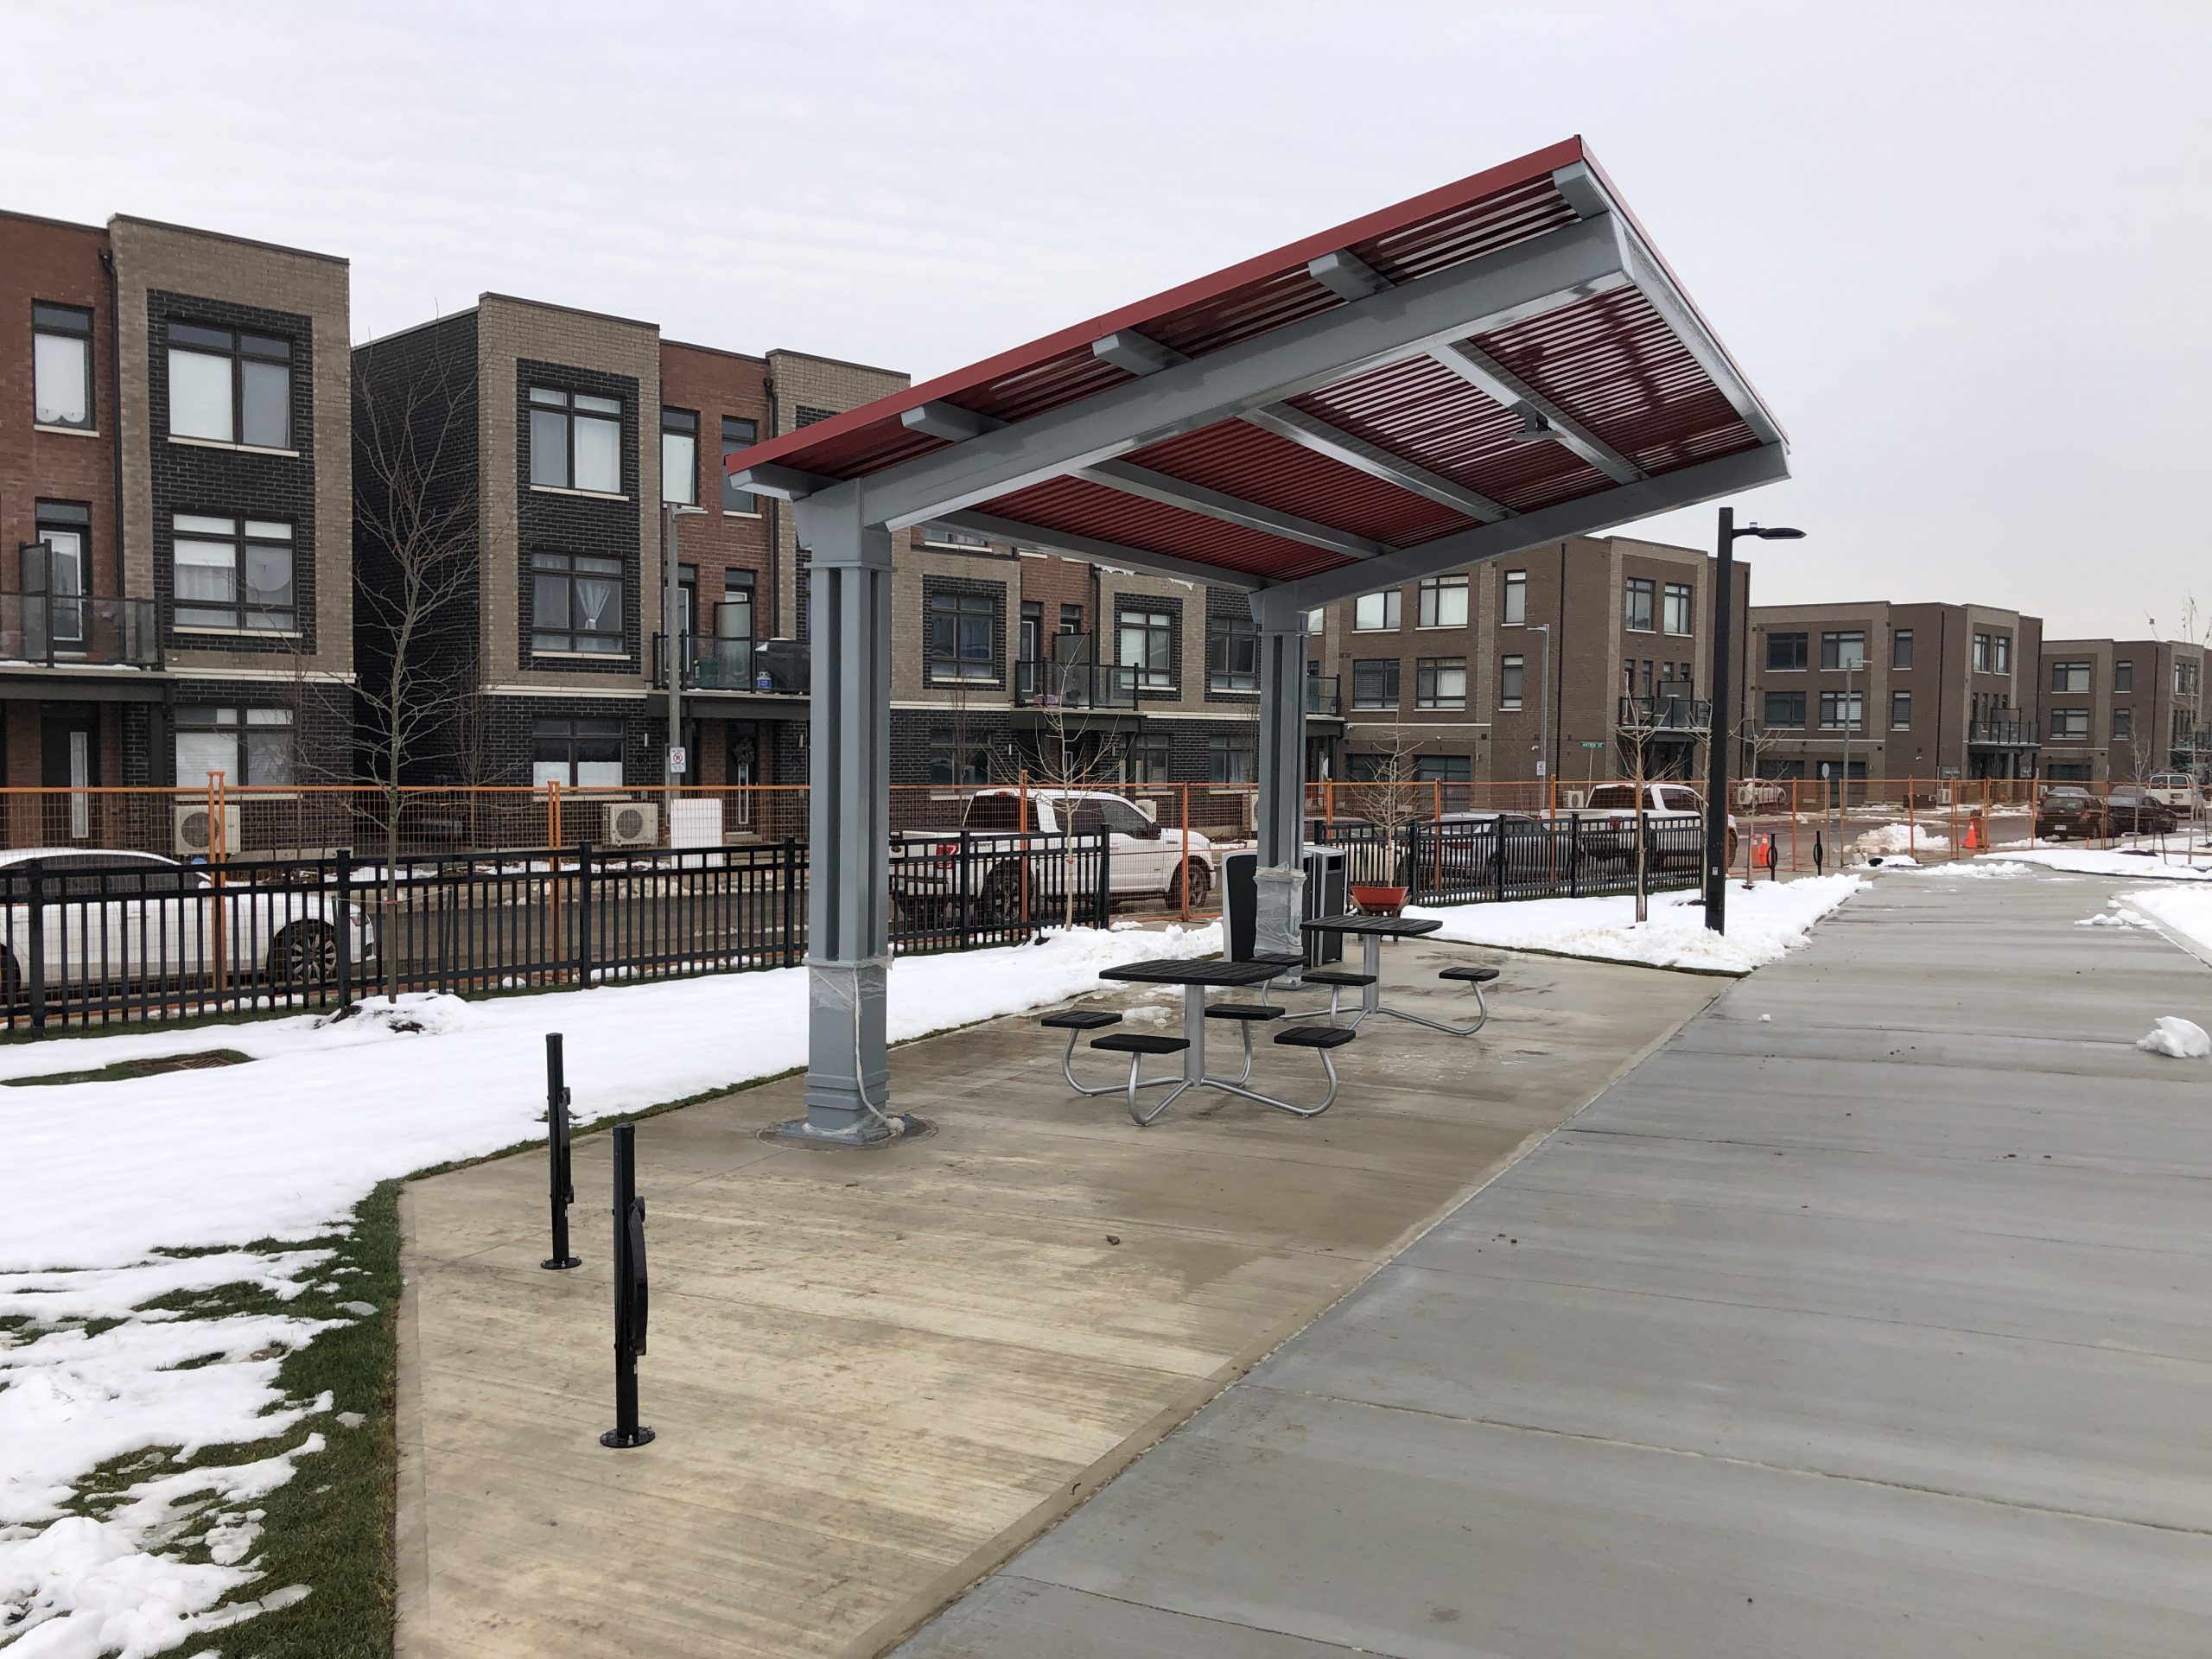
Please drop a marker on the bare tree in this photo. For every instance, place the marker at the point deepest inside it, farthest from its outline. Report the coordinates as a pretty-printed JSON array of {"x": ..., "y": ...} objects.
[
  {"x": 414, "y": 419},
  {"x": 1756, "y": 742},
  {"x": 1393, "y": 793},
  {"x": 1641, "y": 721},
  {"x": 1067, "y": 762}
]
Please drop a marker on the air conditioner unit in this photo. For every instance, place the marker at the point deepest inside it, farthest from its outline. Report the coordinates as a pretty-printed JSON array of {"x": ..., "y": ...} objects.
[
  {"x": 196, "y": 830},
  {"x": 1571, "y": 800},
  {"x": 632, "y": 823}
]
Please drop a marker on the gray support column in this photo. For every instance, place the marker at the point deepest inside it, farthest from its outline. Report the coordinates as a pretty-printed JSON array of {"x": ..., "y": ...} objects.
[
  {"x": 848, "y": 812},
  {"x": 1281, "y": 814}
]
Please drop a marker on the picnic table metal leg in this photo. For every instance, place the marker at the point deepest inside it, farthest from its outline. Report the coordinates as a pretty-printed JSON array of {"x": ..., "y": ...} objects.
[{"x": 1194, "y": 1032}]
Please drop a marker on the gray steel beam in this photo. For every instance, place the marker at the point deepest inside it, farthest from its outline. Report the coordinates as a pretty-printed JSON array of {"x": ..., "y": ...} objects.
[
  {"x": 1322, "y": 438},
  {"x": 1676, "y": 312},
  {"x": 1280, "y": 814},
  {"x": 1345, "y": 274},
  {"x": 1138, "y": 353},
  {"x": 938, "y": 419},
  {"x": 1509, "y": 286},
  {"x": 784, "y": 483},
  {"x": 1584, "y": 516},
  {"x": 1491, "y": 378},
  {"x": 848, "y": 822},
  {"x": 1091, "y": 546},
  {"x": 1132, "y": 480}
]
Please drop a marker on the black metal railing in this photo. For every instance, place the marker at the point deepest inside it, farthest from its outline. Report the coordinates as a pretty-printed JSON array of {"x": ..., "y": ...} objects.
[
  {"x": 1074, "y": 685},
  {"x": 143, "y": 940},
  {"x": 2003, "y": 734},
  {"x": 1324, "y": 695},
  {"x": 1665, "y": 713},
  {"x": 1480, "y": 858},
  {"x": 62, "y": 629}
]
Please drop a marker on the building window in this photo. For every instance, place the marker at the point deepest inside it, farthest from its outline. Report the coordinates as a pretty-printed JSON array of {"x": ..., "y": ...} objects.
[
  {"x": 2185, "y": 679},
  {"x": 1367, "y": 768},
  {"x": 231, "y": 573},
  {"x": 1981, "y": 653},
  {"x": 945, "y": 535},
  {"x": 1033, "y": 631},
  {"x": 1375, "y": 683},
  {"x": 2123, "y": 677},
  {"x": 1315, "y": 619},
  {"x": 575, "y": 440},
  {"x": 577, "y": 753},
  {"x": 1509, "y": 682},
  {"x": 1636, "y": 611},
  {"x": 1842, "y": 710},
  {"x": 1443, "y": 769},
  {"x": 1232, "y": 758},
  {"x": 62, "y": 528},
  {"x": 1786, "y": 651},
  {"x": 1676, "y": 618},
  {"x": 957, "y": 759},
  {"x": 1785, "y": 710},
  {"x": 734, "y": 616},
  {"x": 679, "y": 457},
  {"x": 963, "y": 625},
  {"x": 576, "y": 604},
  {"x": 1440, "y": 682},
  {"x": 2069, "y": 723},
  {"x": 2000, "y": 653},
  {"x": 1443, "y": 602},
  {"x": 1232, "y": 654},
  {"x": 61, "y": 365},
  {"x": 247, "y": 746},
  {"x": 230, "y": 387},
  {"x": 1517, "y": 598},
  {"x": 1149, "y": 758},
  {"x": 1373, "y": 613},
  {"x": 1843, "y": 651},
  {"x": 738, "y": 434},
  {"x": 1900, "y": 711},
  {"x": 1901, "y": 648},
  {"x": 2069, "y": 677},
  {"x": 1147, "y": 644},
  {"x": 2123, "y": 724}
]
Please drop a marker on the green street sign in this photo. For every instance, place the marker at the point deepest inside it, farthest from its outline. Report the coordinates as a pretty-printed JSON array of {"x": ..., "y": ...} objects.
[{"x": 1587, "y": 744}]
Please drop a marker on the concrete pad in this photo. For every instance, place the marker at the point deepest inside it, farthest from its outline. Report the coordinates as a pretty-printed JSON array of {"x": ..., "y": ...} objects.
[{"x": 875, "y": 1375}]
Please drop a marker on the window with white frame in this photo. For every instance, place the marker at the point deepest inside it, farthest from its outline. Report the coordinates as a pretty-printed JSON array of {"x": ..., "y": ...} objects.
[
  {"x": 232, "y": 574},
  {"x": 1373, "y": 613},
  {"x": 1843, "y": 651},
  {"x": 1675, "y": 618},
  {"x": 1443, "y": 602},
  {"x": 679, "y": 457},
  {"x": 1510, "y": 674},
  {"x": 229, "y": 386},
  {"x": 1516, "y": 598},
  {"x": 1842, "y": 710},
  {"x": 246, "y": 746},
  {"x": 576, "y": 604},
  {"x": 61, "y": 365},
  {"x": 575, "y": 440},
  {"x": 1440, "y": 682}
]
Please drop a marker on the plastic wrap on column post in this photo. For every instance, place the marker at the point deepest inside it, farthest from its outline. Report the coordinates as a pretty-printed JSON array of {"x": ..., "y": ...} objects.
[
  {"x": 1278, "y": 908},
  {"x": 838, "y": 987}
]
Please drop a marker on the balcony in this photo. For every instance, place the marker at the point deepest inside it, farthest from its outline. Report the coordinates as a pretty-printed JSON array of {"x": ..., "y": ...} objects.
[
  {"x": 2002, "y": 733},
  {"x": 57, "y": 632},
  {"x": 1666, "y": 716},
  {"x": 1105, "y": 686},
  {"x": 1325, "y": 696},
  {"x": 770, "y": 668}
]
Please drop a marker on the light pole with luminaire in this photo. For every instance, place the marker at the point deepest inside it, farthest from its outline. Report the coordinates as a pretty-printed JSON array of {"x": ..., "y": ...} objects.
[
  {"x": 673, "y": 642},
  {"x": 1720, "y": 724},
  {"x": 1544, "y": 717}
]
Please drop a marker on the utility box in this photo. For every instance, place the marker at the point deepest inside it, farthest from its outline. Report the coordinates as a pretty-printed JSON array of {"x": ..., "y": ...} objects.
[{"x": 1325, "y": 896}]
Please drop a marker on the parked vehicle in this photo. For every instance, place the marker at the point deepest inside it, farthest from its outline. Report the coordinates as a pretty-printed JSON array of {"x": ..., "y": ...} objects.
[
  {"x": 1671, "y": 812},
  {"x": 2132, "y": 810},
  {"x": 2072, "y": 813},
  {"x": 1144, "y": 860},
  {"x": 109, "y": 916},
  {"x": 2175, "y": 789},
  {"x": 1763, "y": 794}
]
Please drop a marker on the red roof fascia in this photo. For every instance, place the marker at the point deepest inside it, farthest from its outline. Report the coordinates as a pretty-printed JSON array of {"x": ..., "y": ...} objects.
[{"x": 1294, "y": 256}]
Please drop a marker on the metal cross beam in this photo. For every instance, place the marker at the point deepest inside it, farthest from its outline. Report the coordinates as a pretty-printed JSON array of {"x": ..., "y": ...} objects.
[
  {"x": 1001, "y": 528},
  {"x": 1489, "y": 377}
]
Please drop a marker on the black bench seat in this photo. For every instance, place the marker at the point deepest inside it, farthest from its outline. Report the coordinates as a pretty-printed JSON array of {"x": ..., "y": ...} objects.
[{"x": 1470, "y": 975}]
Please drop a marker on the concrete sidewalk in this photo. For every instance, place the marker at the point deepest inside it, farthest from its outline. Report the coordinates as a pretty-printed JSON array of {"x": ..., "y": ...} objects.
[{"x": 1867, "y": 1317}]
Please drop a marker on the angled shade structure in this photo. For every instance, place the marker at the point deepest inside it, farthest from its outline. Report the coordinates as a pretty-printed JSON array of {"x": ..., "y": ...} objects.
[{"x": 1497, "y": 364}]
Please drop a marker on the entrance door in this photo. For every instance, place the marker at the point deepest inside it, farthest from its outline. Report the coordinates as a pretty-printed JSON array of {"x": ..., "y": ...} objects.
[{"x": 69, "y": 760}]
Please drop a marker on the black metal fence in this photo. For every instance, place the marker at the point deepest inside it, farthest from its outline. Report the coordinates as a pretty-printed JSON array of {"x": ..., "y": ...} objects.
[
  {"x": 1460, "y": 861},
  {"x": 89, "y": 938}
]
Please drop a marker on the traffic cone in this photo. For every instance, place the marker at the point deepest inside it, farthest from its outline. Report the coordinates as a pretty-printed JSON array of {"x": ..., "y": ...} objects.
[{"x": 1976, "y": 841}]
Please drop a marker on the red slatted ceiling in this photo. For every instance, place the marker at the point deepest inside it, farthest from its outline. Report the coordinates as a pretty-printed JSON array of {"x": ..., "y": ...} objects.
[{"x": 1085, "y": 509}]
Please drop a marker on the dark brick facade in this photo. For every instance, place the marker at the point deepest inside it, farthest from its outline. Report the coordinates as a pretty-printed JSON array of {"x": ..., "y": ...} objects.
[
  {"x": 509, "y": 727},
  {"x": 1227, "y": 603},
  {"x": 197, "y": 477},
  {"x": 557, "y": 523}
]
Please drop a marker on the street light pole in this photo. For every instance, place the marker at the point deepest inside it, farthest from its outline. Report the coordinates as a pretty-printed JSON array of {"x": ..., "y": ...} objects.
[
  {"x": 1718, "y": 724},
  {"x": 1544, "y": 716},
  {"x": 673, "y": 643}
]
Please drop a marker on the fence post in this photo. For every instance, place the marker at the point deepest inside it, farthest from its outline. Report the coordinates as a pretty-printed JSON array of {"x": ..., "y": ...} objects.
[
  {"x": 964, "y": 876},
  {"x": 344, "y": 866},
  {"x": 583, "y": 912},
  {"x": 1183, "y": 875},
  {"x": 1023, "y": 853},
  {"x": 561, "y": 1186},
  {"x": 1105, "y": 906},
  {"x": 1573, "y": 854},
  {"x": 630, "y": 1291},
  {"x": 36, "y": 949},
  {"x": 790, "y": 900}
]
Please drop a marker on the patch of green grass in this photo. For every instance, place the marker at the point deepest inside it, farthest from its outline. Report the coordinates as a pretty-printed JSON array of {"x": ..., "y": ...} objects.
[{"x": 203, "y": 1060}]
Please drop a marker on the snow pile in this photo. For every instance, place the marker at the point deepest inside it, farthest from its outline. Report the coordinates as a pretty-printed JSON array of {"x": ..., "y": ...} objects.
[
  {"x": 2184, "y": 1039},
  {"x": 1763, "y": 923},
  {"x": 1899, "y": 838},
  {"x": 2114, "y": 919},
  {"x": 1982, "y": 867},
  {"x": 2185, "y": 910},
  {"x": 2177, "y": 865}
]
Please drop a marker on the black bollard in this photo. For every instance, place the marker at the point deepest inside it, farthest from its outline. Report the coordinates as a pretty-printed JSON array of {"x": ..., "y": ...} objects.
[
  {"x": 1771, "y": 852},
  {"x": 560, "y": 1178},
  {"x": 630, "y": 1297},
  {"x": 1818, "y": 856}
]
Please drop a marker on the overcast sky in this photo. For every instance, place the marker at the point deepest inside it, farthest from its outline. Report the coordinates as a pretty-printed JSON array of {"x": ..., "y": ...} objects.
[{"x": 1960, "y": 247}]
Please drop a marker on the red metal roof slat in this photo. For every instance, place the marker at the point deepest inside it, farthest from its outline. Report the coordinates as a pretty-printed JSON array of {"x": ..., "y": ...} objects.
[{"x": 1087, "y": 509}]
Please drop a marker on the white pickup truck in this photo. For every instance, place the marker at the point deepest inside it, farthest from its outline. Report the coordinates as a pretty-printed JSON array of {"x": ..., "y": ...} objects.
[
  {"x": 1671, "y": 812},
  {"x": 1143, "y": 859}
]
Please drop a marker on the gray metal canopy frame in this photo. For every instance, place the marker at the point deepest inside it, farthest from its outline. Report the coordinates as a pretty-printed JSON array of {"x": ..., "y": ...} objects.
[{"x": 1494, "y": 365}]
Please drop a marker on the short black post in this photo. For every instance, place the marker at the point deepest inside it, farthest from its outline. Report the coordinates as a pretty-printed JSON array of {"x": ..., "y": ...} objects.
[
  {"x": 630, "y": 1300},
  {"x": 1103, "y": 904},
  {"x": 34, "y": 949},
  {"x": 1770, "y": 854},
  {"x": 561, "y": 1186},
  {"x": 583, "y": 913},
  {"x": 790, "y": 902},
  {"x": 344, "y": 872},
  {"x": 1819, "y": 857}
]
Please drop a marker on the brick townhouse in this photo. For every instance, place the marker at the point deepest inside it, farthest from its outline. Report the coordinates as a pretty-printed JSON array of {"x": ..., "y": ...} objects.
[
  {"x": 1451, "y": 672},
  {"x": 1927, "y": 690},
  {"x": 2119, "y": 710},
  {"x": 175, "y": 518}
]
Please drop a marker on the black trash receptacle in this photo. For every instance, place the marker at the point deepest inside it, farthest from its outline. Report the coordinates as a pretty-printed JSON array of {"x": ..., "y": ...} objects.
[{"x": 1325, "y": 896}]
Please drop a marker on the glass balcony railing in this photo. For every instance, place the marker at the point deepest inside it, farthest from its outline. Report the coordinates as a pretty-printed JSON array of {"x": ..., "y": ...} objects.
[
  {"x": 1324, "y": 695},
  {"x": 2003, "y": 734},
  {"x": 1074, "y": 685},
  {"x": 772, "y": 667},
  {"x": 1666, "y": 714},
  {"x": 59, "y": 629}
]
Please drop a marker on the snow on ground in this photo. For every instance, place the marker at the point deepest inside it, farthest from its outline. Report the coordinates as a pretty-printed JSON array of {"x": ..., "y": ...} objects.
[
  {"x": 2186, "y": 911},
  {"x": 2181, "y": 1040},
  {"x": 1764, "y": 922},
  {"x": 1899, "y": 838},
  {"x": 2178, "y": 862},
  {"x": 103, "y": 1174},
  {"x": 1981, "y": 868}
]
